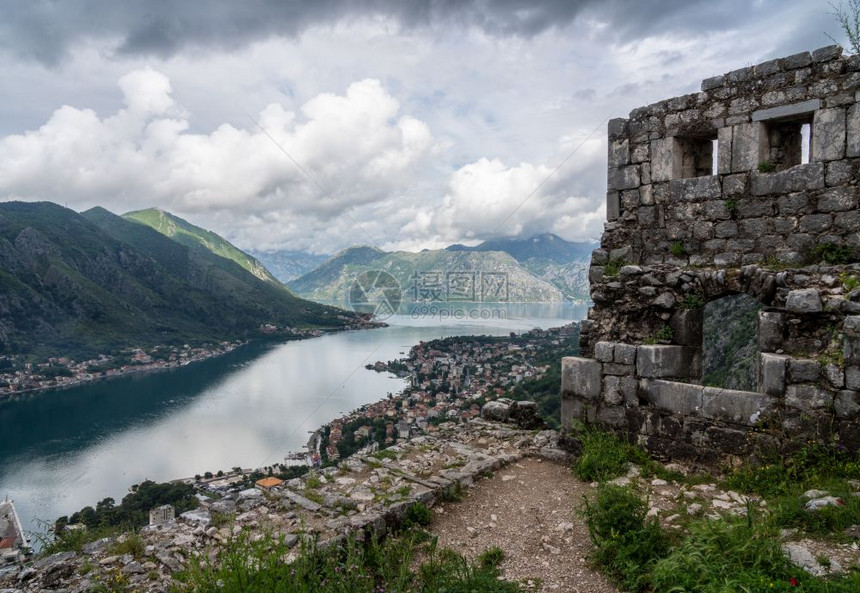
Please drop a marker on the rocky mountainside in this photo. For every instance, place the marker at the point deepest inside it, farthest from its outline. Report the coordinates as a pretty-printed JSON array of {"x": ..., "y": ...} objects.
[
  {"x": 729, "y": 343},
  {"x": 431, "y": 275},
  {"x": 286, "y": 265},
  {"x": 562, "y": 263},
  {"x": 83, "y": 284},
  {"x": 195, "y": 237}
]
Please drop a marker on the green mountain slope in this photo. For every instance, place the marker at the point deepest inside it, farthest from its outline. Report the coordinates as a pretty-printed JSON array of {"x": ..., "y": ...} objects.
[
  {"x": 431, "y": 275},
  {"x": 186, "y": 233},
  {"x": 79, "y": 285}
]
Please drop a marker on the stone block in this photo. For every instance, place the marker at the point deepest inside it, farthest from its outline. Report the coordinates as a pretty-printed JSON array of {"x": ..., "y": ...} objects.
[
  {"x": 807, "y": 397},
  {"x": 796, "y": 61},
  {"x": 618, "y": 390},
  {"x": 724, "y": 150},
  {"x": 614, "y": 368},
  {"x": 846, "y": 404},
  {"x": 796, "y": 179},
  {"x": 851, "y": 326},
  {"x": 740, "y": 75},
  {"x": 619, "y": 153},
  {"x": 772, "y": 374},
  {"x": 771, "y": 325},
  {"x": 625, "y": 353},
  {"x": 726, "y": 229},
  {"x": 647, "y": 216},
  {"x": 837, "y": 199},
  {"x": 726, "y": 440},
  {"x": 695, "y": 188},
  {"x": 853, "y": 127},
  {"x": 612, "y": 416},
  {"x": 740, "y": 407},
  {"x": 595, "y": 274},
  {"x": 827, "y": 53},
  {"x": 735, "y": 184},
  {"x": 840, "y": 172},
  {"x": 713, "y": 82},
  {"x": 679, "y": 398},
  {"x": 796, "y": 203},
  {"x": 852, "y": 377},
  {"x": 787, "y": 110},
  {"x": 835, "y": 376},
  {"x": 612, "y": 391},
  {"x": 804, "y": 370},
  {"x": 646, "y": 195},
  {"x": 828, "y": 135},
  {"x": 627, "y": 177},
  {"x": 749, "y": 146},
  {"x": 580, "y": 377},
  {"x": 617, "y": 127},
  {"x": 613, "y": 205},
  {"x": 599, "y": 257},
  {"x": 686, "y": 327},
  {"x": 604, "y": 351},
  {"x": 768, "y": 68},
  {"x": 661, "y": 159},
  {"x": 814, "y": 223},
  {"x": 576, "y": 410},
  {"x": 805, "y": 300},
  {"x": 655, "y": 361}
]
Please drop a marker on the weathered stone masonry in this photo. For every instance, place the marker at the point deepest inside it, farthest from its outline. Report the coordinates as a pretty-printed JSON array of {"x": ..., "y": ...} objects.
[{"x": 686, "y": 227}]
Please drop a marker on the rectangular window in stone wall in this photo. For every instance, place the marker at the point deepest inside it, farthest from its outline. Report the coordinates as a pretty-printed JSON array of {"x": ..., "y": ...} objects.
[
  {"x": 694, "y": 156},
  {"x": 787, "y": 134},
  {"x": 786, "y": 143}
]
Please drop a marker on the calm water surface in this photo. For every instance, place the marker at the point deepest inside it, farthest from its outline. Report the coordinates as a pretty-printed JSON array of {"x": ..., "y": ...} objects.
[{"x": 65, "y": 449}]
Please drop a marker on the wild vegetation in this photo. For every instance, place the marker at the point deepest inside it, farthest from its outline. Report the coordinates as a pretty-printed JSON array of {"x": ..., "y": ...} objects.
[
  {"x": 109, "y": 518},
  {"x": 733, "y": 553},
  {"x": 408, "y": 562}
]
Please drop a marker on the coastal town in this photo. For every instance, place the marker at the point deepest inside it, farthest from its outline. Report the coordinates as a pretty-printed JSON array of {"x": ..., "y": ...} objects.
[
  {"x": 449, "y": 380},
  {"x": 19, "y": 374}
]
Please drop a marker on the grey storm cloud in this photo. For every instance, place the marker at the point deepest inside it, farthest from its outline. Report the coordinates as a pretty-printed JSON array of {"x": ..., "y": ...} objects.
[{"x": 45, "y": 30}]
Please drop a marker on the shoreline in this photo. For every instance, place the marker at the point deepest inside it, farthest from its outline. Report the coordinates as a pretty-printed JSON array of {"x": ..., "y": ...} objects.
[
  {"x": 319, "y": 435},
  {"x": 226, "y": 347}
]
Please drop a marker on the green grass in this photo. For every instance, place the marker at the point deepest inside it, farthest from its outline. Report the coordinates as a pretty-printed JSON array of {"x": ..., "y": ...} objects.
[
  {"x": 833, "y": 254},
  {"x": 613, "y": 266},
  {"x": 603, "y": 456},
  {"x": 728, "y": 555},
  {"x": 626, "y": 544},
  {"x": 256, "y": 566},
  {"x": 811, "y": 466}
]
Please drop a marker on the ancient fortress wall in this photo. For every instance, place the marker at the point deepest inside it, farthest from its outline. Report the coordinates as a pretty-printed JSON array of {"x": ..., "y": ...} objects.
[{"x": 687, "y": 226}]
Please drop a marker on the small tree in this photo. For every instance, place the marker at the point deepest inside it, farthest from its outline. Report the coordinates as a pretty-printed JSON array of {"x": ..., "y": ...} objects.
[{"x": 849, "y": 19}]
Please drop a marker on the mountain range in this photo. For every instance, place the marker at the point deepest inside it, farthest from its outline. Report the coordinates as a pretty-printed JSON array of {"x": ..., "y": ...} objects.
[
  {"x": 543, "y": 268},
  {"x": 82, "y": 284}
]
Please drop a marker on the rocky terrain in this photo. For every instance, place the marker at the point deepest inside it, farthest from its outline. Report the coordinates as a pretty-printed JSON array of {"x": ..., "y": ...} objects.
[{"x": 489, "y": 482}]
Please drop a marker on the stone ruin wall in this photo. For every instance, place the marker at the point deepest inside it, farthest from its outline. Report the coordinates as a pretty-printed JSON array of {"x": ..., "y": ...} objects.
[{"x": 686, "y": 227}]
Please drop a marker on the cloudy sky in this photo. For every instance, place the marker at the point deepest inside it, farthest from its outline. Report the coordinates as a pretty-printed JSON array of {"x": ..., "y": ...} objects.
[{"x": 317, "y": 125}]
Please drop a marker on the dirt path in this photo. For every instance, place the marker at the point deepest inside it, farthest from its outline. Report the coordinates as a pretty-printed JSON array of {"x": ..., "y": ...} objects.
[{"x": 527, "y": 510}]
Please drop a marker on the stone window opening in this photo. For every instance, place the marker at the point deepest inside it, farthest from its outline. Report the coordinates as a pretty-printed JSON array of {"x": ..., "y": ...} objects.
[
  {"x": 787, "y": 142},
  {"x": 695, "y": 156},
  {"x": 730, "y": 342}
]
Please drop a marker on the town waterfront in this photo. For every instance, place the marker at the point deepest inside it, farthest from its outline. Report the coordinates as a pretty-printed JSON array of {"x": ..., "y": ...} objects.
[{"x": 64, "y": 449}]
